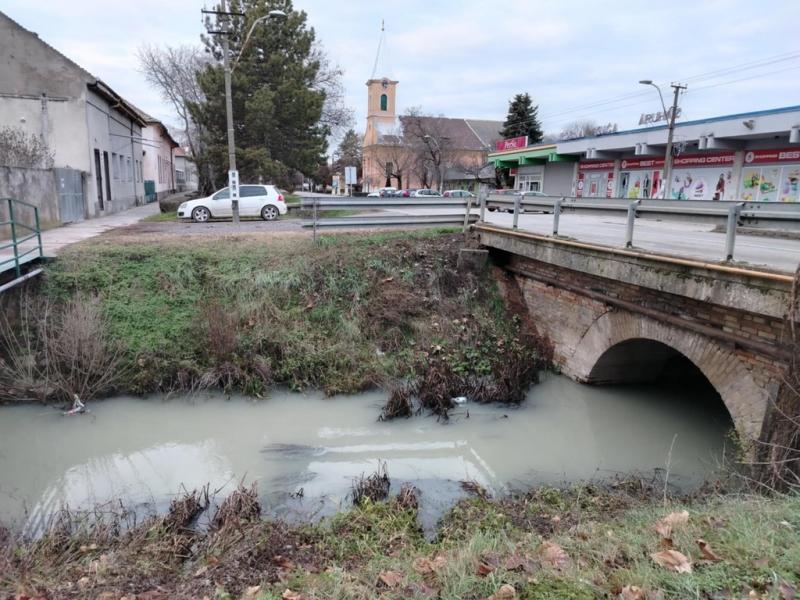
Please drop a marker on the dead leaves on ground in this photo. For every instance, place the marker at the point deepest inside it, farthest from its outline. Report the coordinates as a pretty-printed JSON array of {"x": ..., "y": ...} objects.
[
  {"x": 707, "y": 552},
  {"x": 390, "y": 579},
  {"x": 673, "y": 561},
  {"x": 290, "y": 595},
  {"x": 554, "y": 556},
  {"x": 506, "y": 592}
]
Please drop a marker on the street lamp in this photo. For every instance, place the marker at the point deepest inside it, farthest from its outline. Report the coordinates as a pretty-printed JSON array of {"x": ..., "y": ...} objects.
[
  {"x": 233, "y": 175},
  {"x": 671, "y": 128}
]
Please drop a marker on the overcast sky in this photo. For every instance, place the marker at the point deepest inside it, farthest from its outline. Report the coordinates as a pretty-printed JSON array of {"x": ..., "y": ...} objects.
[{"x": 467, "y": 58}]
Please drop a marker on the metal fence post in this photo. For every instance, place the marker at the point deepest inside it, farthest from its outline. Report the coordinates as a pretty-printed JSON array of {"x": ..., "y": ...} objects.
[
  {"x": 631, "y": 218},
  {"x": 516, "y": 210},
  {"x": 466, "y": 213},
  {"x": 730, "y": 235},
  {"x": 315, "y": 220},
  {"x": 556, "y": 214},
  {"x": 13, "y": 224},
  {"x": 38, "y": 231},
  {"x": 483, "y": 205}
]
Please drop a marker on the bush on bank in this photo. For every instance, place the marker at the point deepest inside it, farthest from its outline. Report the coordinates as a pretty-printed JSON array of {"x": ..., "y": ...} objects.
[{"x": 350, "y": 313}]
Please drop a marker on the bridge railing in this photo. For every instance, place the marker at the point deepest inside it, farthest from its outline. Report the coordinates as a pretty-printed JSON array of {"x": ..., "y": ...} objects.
[
  {"x": 19, "y": 255},
  {"x": 459, "y": 212},
  {"x": 728, "y": 214}
]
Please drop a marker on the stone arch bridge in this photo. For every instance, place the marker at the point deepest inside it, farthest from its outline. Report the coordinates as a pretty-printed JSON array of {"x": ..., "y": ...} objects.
[{"x": 617, "y": 315}]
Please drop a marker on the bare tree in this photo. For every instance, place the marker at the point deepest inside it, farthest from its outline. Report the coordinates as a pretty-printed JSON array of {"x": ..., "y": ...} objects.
[
  {"x": 336, "y": 115},
  {"x": 172, "y": 70},
  {"x": 395, "y": 158},
  {"x": 427, "y": 137}
]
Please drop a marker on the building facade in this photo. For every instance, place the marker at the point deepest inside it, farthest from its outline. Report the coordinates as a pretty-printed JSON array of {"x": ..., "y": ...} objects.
[
  {"x": 86, "y": 125},
  {"x": 158, "y": 165},
  {"x": 748, "y": 157},
  {"x": 420, "y": 151},
  {"x": 186, "y": 175}
]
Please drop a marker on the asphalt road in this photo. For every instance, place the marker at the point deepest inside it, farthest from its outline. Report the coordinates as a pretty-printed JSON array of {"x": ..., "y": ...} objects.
[{"x": 663, "y": 237}]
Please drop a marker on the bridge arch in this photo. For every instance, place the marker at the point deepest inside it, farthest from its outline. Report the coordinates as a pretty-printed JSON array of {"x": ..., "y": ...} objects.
[{"x": 621, "y": 346}]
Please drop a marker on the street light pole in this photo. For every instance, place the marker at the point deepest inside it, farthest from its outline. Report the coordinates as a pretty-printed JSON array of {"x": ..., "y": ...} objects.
[
  {"x": 671, "y": 116},
  {"x": 233, "y": 178}
]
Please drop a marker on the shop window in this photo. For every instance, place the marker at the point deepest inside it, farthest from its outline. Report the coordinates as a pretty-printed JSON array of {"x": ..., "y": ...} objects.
[{"x": 384, "y": 102}]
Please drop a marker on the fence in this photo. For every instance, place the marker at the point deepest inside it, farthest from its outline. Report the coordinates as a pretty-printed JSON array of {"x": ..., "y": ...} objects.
[
  {"x": 319, "y": 205},
  {"x": 19, "y": 255},
  {"x": 728, "y": 214}
]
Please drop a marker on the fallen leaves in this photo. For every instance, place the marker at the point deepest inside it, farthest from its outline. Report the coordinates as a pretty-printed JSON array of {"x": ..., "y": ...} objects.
[
  {"x": 706, "y": 551},
  {"x": 290, "y": 595},
  {"x": 554, "y": 556},
  {"x": 632, "y": 592},
  {"x": 426, "y": 566},
  {"x": 787, "y": 591},
  {"x": 673, "y": 561},
  {"x": 390, "y": 579},
  {"x": 506, "y": 592},
  {"x": 665, "y": 526}
]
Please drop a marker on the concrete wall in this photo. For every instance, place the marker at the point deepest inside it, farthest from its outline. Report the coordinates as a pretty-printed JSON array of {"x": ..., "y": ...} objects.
[
  {"x": 120, "y": 138},
  {"x": 29, "y": 69},
  {"x": 36, "y": 186},
  {"x": 558, "y": 178}
]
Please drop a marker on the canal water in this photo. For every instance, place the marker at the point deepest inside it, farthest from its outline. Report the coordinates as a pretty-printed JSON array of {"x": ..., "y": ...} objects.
[{"x": 142, "y": 451}]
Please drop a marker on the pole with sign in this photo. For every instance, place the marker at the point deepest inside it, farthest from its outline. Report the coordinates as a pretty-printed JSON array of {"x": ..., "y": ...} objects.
[{"x": 350, "y": 179}]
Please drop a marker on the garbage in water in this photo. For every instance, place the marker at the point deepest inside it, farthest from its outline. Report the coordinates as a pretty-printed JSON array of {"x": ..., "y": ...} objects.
[
  {"x": 460, "y": 399},
  {"x": 78, "y": 407}
]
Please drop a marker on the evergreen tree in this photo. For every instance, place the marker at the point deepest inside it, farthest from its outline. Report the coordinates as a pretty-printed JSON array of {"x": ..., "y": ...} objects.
[
  {"x": 277, "y": 102},
  {"x": 350, "y": 150},
  {"x": 522, "y": 119}
]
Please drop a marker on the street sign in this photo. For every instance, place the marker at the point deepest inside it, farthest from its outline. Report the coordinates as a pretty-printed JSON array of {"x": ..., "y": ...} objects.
[
  {"x": 233, "y": 184},
  {"x": 350, "y": 176}
]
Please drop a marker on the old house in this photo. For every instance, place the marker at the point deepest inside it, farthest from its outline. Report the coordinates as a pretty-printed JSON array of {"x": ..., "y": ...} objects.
[{"x": 94, "y": 135}]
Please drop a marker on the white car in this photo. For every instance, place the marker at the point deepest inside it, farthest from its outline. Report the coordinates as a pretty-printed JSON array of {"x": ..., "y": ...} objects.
[
  {"x": 263, "y": 201},
  {"x": 426, "y": 193}
]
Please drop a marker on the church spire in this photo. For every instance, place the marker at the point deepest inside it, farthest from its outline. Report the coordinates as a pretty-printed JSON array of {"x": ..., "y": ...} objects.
[{"x": 381, "y": 66}]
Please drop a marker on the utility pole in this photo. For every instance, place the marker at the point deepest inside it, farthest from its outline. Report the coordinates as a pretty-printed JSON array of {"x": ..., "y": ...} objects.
[
  {"x": 233, "y": 175},
  {"x": 677, "y": 87}
]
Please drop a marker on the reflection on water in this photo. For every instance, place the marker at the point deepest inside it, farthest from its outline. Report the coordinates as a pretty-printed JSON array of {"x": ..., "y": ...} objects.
[{"x": 143, "y": 451}]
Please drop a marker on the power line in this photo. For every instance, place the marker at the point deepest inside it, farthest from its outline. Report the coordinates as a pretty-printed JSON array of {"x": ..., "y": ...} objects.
[{"x": 695, "y": 78}]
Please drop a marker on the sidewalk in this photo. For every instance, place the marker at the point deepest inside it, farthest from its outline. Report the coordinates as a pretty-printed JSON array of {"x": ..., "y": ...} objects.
[{"x": 53, "y": 240}]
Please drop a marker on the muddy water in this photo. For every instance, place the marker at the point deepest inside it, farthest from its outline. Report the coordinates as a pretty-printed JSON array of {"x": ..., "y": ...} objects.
[{"x": 141, "y": 451}]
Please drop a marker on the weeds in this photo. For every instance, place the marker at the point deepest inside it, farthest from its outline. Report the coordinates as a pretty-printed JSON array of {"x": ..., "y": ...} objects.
[{"x": 372, "y": 488}]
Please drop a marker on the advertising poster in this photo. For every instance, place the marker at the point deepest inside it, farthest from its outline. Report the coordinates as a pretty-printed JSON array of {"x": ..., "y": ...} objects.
[
  {"x": 790, "y": 185},
  {"x": 702, "y": 184}
]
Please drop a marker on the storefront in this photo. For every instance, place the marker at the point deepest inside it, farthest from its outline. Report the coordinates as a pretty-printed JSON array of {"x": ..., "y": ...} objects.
[
  {"x": 529, "y": 179},
  {"x": 640, "y": 177},
  {"x": 595, "y": 179},
  {"x": 706, "y": 176},
  {"x": 771, "y": 176}
]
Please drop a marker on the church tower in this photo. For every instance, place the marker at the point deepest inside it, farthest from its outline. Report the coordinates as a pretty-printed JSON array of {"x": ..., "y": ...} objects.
[{"x": 381, "y": 96}]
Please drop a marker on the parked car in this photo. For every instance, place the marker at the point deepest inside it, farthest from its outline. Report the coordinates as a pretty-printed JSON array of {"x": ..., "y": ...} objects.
[
  {"x": 263, "y": 201},
  {"x": 426, "y": 193},
  {"x": 458, "y": 194},
  {"x": 407, "y": 193},
  {"x": 382, "y": 192}
]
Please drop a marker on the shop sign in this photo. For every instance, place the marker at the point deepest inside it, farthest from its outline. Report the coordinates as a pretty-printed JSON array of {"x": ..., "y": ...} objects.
[
  {"x": 755, "y": 157},
  {"x": 642, "y": 163},
  {"x": 513, "y": 171},
  {"x": 511, "y": 143},
  {"x": 600, "y": 165},
  {"x": 708, "y": 159},
  {"x": 656, "y": 117}
]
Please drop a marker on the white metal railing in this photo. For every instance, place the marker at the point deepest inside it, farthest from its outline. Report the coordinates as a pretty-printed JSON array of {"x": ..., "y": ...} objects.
[
  {"x": 729, "y": 214},
  {"x": 318, "y": 205}
]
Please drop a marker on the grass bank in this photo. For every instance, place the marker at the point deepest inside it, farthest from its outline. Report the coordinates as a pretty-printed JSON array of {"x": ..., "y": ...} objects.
[
  {"x": 585, "y": 542},
  {"x": 241, "y": 313}
]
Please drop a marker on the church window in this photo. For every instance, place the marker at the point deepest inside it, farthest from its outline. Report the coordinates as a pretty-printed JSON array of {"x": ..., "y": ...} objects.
[{"x": 384, "y": 102}]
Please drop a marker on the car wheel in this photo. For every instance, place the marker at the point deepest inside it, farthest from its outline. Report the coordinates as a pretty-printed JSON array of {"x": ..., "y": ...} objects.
[
  {"x": 269, "y": 213},
  {"x": 201, "y": 214}
]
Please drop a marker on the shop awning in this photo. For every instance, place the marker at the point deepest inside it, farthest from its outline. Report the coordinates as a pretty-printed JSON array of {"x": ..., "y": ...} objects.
[{"x": 532, "y": 155}]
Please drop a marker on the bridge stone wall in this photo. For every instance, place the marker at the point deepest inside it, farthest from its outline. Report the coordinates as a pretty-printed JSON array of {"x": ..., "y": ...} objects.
[{"x": 598, "y": 308}]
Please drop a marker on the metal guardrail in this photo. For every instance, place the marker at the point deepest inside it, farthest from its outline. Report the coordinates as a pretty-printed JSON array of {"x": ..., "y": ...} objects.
[
  {"x": 731, "y": 214},
  {"x": 319, "y": 204},
  {"x": 19, "y": 257}
]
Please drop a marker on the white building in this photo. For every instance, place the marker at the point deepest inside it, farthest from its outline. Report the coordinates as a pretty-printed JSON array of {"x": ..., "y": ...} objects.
[
  {"x": 85, "y": 123},
  {"x": 159, "y": 162},
  {"x": 751, "y": 156}
]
